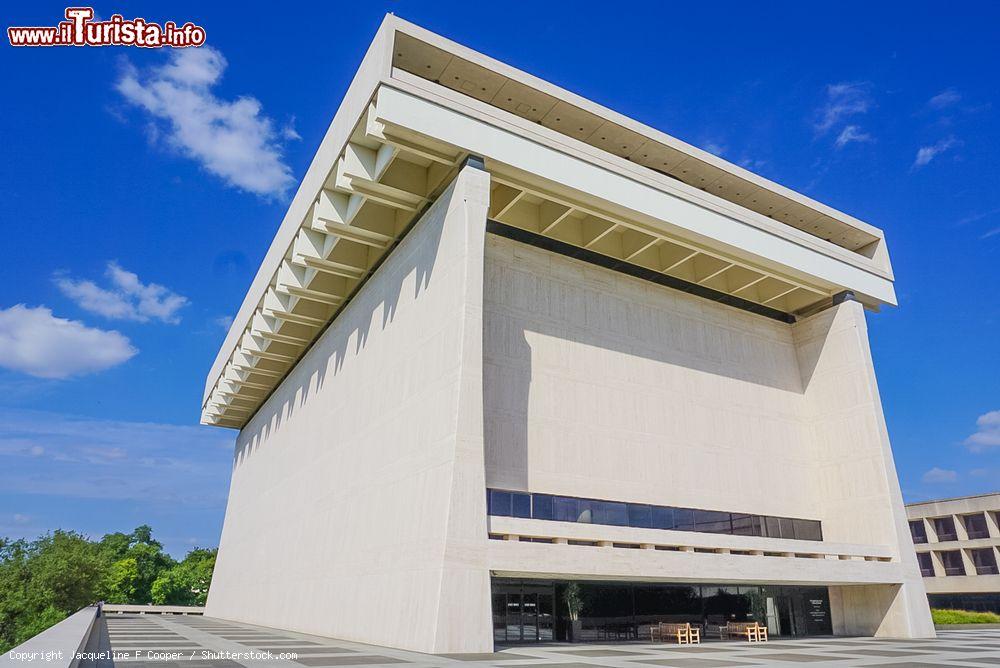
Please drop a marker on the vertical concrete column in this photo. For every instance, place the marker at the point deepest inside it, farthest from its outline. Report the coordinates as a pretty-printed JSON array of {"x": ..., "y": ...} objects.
[
  {"x": 992, "y": 525},
  {"x": 970, "y": 565},
  {"x": 464, "y": 614},
  {"x": 960, "y": 531},
  {"x": 927, "y": 531},
  {"x": 932, "y": 535},
  {"x": 938, "y": 564},
  {"x": 857, "y": 487}
]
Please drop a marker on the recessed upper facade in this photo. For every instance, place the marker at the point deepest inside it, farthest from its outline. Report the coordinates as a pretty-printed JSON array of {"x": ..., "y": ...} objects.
[{"x": 562, "y": 167}]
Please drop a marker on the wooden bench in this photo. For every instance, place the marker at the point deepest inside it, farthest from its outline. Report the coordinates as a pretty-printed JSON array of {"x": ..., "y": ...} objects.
[
  {"x": 682, "y": 633},
  {"x": 752, "y": 631}
]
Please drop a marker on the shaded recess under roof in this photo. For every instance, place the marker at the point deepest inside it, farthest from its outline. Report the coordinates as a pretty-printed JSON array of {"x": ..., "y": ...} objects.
[{"x": 441, "y": 67}]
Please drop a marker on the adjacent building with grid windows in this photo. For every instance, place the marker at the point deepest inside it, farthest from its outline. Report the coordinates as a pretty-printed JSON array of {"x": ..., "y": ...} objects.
[
  {"x": 958, "y": 546},
  {"x": 518, "y": 368}
]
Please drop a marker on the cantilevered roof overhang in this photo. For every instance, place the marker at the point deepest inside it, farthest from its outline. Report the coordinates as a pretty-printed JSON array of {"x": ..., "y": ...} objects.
[{"x": 561, "y": 168}]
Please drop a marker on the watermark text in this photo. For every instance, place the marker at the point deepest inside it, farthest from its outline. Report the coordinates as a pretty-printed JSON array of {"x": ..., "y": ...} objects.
[{"x": 80, "y": 29}]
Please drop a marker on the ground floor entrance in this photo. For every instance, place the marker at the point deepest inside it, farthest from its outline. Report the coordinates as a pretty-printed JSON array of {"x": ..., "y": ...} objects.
[{"x": 527, "y": 610}]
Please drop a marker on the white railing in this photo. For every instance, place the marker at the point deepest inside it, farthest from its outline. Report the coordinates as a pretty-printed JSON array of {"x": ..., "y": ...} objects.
[
  {"x": 122, "y": 609},
  {"x": 59, "y": 646}
]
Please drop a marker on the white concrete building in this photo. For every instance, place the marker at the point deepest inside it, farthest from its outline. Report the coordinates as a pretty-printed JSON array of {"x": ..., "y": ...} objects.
[
  {"x": 958, "y": 545},
  {"x": 518, "y": 368}
]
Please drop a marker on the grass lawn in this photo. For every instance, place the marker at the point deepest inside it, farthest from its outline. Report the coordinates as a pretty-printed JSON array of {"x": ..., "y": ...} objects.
[{"x": 964, "y": 617}]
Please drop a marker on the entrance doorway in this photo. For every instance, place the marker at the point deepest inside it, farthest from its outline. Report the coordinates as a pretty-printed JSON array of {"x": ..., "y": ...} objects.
[{"x": 523, "y": 613}]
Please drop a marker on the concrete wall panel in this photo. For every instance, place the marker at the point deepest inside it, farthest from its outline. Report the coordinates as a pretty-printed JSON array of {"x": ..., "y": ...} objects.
[{"x": 356, "y": 507}]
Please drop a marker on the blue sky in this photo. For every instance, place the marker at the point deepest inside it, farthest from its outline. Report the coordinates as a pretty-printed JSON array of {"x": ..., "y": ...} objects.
[{"x": 141, "y": 190}]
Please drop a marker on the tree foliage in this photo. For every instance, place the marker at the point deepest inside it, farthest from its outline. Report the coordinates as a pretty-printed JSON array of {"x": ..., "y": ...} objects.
[
  {"x": 45, "y": 580},
  {"x": 187, "y": 582}
]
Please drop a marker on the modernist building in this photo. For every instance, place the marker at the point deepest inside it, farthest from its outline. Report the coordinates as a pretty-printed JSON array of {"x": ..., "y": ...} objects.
[
  {"x": 517, "y": 368},
  {"x": 957, "y": 542}
]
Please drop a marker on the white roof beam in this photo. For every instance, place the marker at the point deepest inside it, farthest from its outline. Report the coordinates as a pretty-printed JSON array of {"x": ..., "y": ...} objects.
[
  {"x": 252, "y": 369},
  {"x": 355, "y": 234},
  {"x": 311, "y": 295},
  {"x": 296, "y": 318}
]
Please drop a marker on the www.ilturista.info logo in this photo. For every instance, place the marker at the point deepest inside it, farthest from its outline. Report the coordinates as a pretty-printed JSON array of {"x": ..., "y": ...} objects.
[{"x": 80, "y": 29}]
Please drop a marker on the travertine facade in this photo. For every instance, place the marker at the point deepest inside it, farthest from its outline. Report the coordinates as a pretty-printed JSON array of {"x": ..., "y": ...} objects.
[{"x": 467, "y": 302}]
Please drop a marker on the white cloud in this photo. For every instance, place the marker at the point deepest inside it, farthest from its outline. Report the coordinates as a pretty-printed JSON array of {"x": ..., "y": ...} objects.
[
  {"x": 988, "y": 433},
  {"x": 128, "y": 298},
  {"x": 927, "y": 153},
  {"x": 142, "y": 462},
  {"x": 852, "y": 133},
  {"x": 746, "y": 162},
  {"x": 992, "y": 233},
  {"x": 20, "y": 518},
  {"x": 944, "y": 99},
  {"x": 936, "y": 475},
  {"x": 715, "y": 148},
  {"x": 224, "y": 322},
  {"x": 843, "y": 100},
  {"x": 289, "y": 132},
  {"x": 976, "y": 217},
  {"x": 35, "y": 342},
  {"x": 230, "y": 138}
]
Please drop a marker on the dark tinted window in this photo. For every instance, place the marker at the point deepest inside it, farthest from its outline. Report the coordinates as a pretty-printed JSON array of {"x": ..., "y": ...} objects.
[
  {"x": 499, "y": 503},
  {"x": 711, "y": 521},
  {"x": 918, "y": 531},
  {"x": 614, "y": 513},
  {"x": 570, "y": 509},
  {"x": 663, "y": 517},
  {"x": 586, "y": 510},
  {"x": 683, "y": 519},
  {"x": 926, "y": 565},
  {"x": 944, "y": 527},
  {"x": 541, "y": 508},
  {"x": 521, "y": 505},
  {"x": 952, "y": 562},
  {"x": 746, "y": 525},
  {"x": 564, "y": 509},
  {"x": 807, "y": 530},
  {"x": 639, "y": 515},
  {"x": 984, "y": 560},
  {"x": 975, "y": 526}
]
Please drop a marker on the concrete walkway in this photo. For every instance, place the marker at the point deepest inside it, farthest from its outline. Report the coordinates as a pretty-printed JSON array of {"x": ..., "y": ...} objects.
[{"x": 154, "y": 641}]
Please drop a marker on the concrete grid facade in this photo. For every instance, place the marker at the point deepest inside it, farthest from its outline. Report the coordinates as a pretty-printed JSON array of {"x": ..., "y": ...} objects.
[
  {"x": 958, "y": 549},
  {"x": 464, "y": 300}
]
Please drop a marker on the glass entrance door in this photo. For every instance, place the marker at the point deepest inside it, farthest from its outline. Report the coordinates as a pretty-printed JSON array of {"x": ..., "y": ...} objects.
[
  {"x": 523, "y": 613},
  {"x": 804, "y": 611}
]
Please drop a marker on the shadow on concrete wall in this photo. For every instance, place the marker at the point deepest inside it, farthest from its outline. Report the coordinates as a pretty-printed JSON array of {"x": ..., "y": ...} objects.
[
  {"x": 415, "y": 255},
  {"x": 508, "y": 396}
]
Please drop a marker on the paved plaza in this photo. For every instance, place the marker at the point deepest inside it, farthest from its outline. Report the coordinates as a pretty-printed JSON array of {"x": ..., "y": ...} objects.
[{"x": 199, "y": 642}]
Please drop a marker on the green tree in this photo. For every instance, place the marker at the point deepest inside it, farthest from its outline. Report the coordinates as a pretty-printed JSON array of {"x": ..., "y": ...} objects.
[
  {"x": 150, "y": 561},
  {"x": 136, "y": 560},
  {"x": 115, "y": 545},
  {"x": 44, "y": 581},
  {"x": 121, "y": 581},
  {"x": 66, "y": 571},
  {"x": 14, "y": 587},
  {"x": 186, "y": 583}
]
